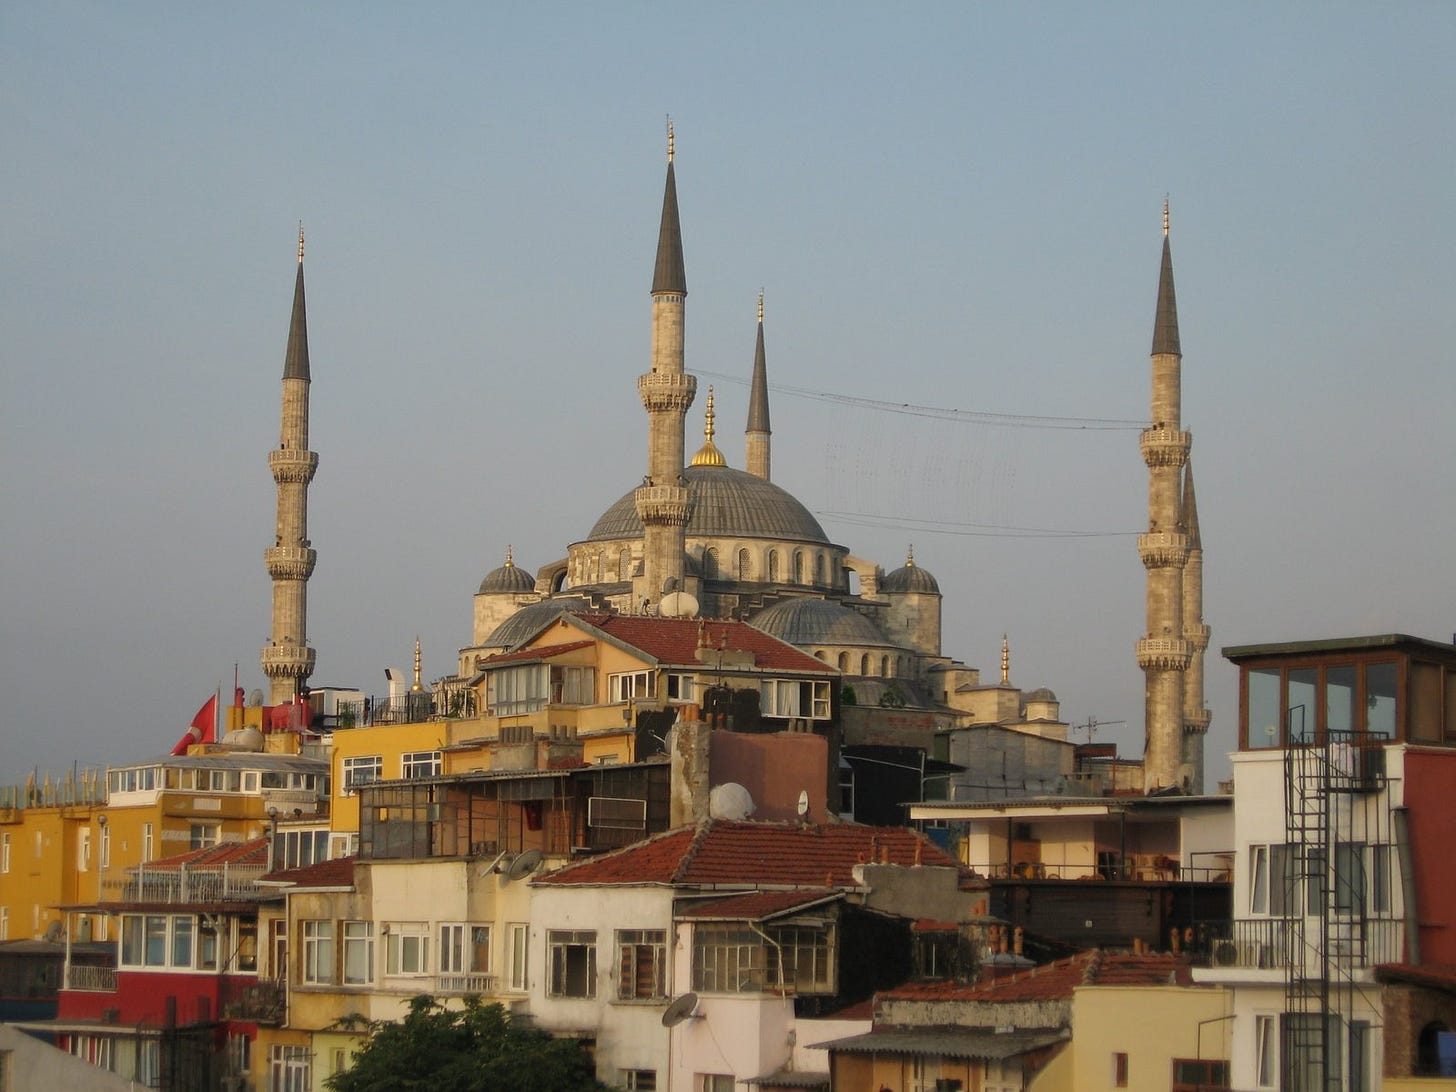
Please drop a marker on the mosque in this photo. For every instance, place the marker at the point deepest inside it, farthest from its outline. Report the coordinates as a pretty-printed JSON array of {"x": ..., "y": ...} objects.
[{"x": 700, "y": 538}]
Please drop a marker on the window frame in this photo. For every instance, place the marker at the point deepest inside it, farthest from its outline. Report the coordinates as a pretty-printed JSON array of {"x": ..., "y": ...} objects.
[
  {"x": 357, "y": 770},
  {"x": 407, "y": 949},
  {"x": 641, "y": 958},
  {"x": 414, "y": 765},
  {"x": 562, "y": 946},
  {"x": 317, "y": 960}
]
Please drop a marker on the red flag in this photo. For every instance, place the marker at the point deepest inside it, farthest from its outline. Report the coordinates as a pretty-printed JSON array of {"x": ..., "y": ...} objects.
[{"x": 203, "y": 729}]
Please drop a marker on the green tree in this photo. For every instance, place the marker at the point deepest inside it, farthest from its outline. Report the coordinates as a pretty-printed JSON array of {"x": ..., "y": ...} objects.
[{"x": 475, "y": 1049}]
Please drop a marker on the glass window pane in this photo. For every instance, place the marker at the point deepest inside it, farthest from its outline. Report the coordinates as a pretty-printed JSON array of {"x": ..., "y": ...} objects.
[
  {"x": 181, "y": 942},
  {"x": 1380, "y": 700},
  {"x": 1340, "y": 698},
  {"x": 1264, "y": 708},
  {"x": 1299, "y": 705}
]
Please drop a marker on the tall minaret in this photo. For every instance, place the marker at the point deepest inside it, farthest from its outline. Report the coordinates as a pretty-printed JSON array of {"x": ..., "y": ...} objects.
[
  {"x": 287, "y": 658},
  {"x": 1164, "y": 653},
  {"x": 663, "y": 502},
  {"x": 1196, "y": 716},
  {"x": 756, "y": 436}
]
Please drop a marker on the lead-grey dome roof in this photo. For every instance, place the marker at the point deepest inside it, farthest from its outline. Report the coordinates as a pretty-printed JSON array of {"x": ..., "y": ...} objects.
[
  {"x": 727, "y": 503},
  {"x": 817, "y": 622},
  {"x": 1041, "y": 693},
  {"x": 528, "y": 621},
  {"x": 910, "y": 578},
  {"x": 508, "y": 578}
]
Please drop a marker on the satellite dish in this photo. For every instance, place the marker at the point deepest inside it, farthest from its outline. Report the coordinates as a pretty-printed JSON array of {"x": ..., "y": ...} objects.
[
  {"x": 494, "y": 865},
  {"x": 681, "y": 1009},
  {"x": 523, "y": 865},
  {"x": 730, "y": 800},
  {"x": 803, "y": 803},
  {"x": 677, "y": 604},
  {"x": 55, "y": 930}
]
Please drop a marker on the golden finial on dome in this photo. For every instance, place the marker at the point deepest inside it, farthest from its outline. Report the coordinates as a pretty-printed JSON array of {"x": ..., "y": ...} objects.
[
  {"x": 910, "y": 556},
  {"x": 669, "y": 138},
  {"x": 509, "y": 563},
  {"x": 417, "y": 687},
  {"x": 300, "y": 242},
  {"x": 708, "y": 454},
  {"x": 1005, "y": 660},
  {"x": 1165, "y": 215}
]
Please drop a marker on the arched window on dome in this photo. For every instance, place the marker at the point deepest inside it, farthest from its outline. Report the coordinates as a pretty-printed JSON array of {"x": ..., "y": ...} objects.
[
  {"x": 885, "y": 666},
  {"x": 745, "y": 567},
  {"x": 624, "y": 564},
  {"x": 798, "y": 566},
  {"x": 599, "y": 568},
  {"x": 773, "y": 566},
  {"x": 901, "y": 666},
  {"x": 710, "y": 564},
  {"x": 864, "y": 664},
  {"x": 818, "y": 570},
  {"x": 844, "y": 662}
]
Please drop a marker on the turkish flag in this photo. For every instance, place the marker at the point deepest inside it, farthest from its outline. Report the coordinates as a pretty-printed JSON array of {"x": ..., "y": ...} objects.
[{"x": 203, "y": 729}]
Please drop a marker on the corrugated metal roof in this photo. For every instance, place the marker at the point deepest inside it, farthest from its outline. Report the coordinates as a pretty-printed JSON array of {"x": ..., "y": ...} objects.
[{"x": 948, "y": 1042}]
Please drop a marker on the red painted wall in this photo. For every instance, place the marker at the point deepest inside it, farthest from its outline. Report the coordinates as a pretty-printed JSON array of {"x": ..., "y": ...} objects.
[
  {"x": 1430, "y": 798},
  {"x": 141, "y": 997},
  {"x": 774, "y": 769}
]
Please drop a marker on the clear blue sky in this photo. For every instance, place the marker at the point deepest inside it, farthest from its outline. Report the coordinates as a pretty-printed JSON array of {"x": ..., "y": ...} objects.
[{"x": 947, "y": 205}]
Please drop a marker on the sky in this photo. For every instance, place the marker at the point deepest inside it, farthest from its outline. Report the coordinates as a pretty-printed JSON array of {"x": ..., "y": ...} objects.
[{"x": 949, "y": 207}]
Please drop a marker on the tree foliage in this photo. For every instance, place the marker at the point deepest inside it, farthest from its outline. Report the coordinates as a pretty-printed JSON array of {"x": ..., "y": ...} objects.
[{"x": 475, "y": 1049}]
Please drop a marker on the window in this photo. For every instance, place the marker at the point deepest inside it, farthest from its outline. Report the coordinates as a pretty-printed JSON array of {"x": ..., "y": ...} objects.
[
  {"x": 798, "y": 566},
  {"x": 1274, "y": 881},
  {"x": 1195, "y": 1075},
  {"x": 1303, "y": 1042},
  {"x": 801, "y": 959},
  {"x": 407, "y": 949},
  {"x": 1350, "y": 878},
  {"x": 1380, "y": 879},
  {"x": 745, "y": 566},
  {"x": 680, "y": 688},
  {"x": 616, "y": 813},
  {"x": 181, "y": 942},
  {"x": 631, "y": 685},
  {"x": 641, "y": 964},
  {"x": 1359, "y": 1060},
  {"x": 299, "y": 848},
  {"x": 773, "y": 566},
  {"x": 1266, "y": 1048},
  {"x": 794, "y": 698},
  {"x": 4, "y": 923},
  {"x": 146, "y": 841},
  {"x": 247, "y": 958},
  {"x": 202, "y": 835},
  {"x": 358, "y": 953},
  {"x": 519, "y": 935},
  {"x": 717, "y": 1082},
  {"x": 419, "y": 764},
  {"x": 290, "y": 1069},
  {"x": 639, "y": 1080},
  {"x": 361, "y": 770},
  {"x": 518, "y": 689},
  {"x": 1119, "y": 1070},
  {"x": 318, "y": 952},
  {"x": 83, "y": 850},
  {"x": 572, "y": 955},
  {"x": 105, "y": 847},
  {"x": 1380, "y": 700},
  {"x": 154, "y": 944},
  {"x": 4, "y": 853},
  {"x": 573, "y": 685},
  {"x": 1264, "y": 685},
  {"x": 727, "y": 959},
  {"x": 464, "y": 949}
]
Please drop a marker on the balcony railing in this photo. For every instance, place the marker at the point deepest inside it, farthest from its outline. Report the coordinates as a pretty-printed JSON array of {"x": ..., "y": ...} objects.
[
  {"x": 1309, "y": 947},
  {"x": 91, "y": 979},
  {"x": 263, "y": 1001},
  {"x": 456, "y": 984},
  {"x": 185, "y": 885},
  {"x": 414, "y": 707}
]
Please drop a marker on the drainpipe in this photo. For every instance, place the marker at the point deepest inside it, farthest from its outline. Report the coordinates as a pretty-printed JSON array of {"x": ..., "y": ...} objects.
[{"x": 1401, "y": 816}]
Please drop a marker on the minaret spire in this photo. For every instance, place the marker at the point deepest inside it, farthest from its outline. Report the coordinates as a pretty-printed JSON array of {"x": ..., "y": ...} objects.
[
  {"x": 756, "y": 443},
  {"x": 663, "y": 502},
  {"x": 1196, "y": 716},
  {"x": 1164, "y": 654},
  {"x": 287, "y": 659},
  {"x": 1005, "y": 660}
]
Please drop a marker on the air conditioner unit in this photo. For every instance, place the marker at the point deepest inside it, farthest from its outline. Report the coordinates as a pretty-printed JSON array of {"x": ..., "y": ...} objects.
[{"x": 1242, "y": 953}]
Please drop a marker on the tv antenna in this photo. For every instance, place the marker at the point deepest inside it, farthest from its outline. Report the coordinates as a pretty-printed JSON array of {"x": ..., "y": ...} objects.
[{"x": 1093, "y": 724}]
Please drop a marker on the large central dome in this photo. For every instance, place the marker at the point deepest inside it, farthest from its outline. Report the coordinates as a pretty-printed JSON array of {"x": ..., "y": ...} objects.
[{"x": 727, "y": 503}]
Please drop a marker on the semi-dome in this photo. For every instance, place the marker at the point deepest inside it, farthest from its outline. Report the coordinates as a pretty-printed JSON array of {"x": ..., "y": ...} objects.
[
  {"x": 816, "y": 622},
  {"x": 1040, "y": 694},
  {"x": 910, "y": 577},
  {"x": 727, "y": 503},
  {"x": 528, "y": 621},
  {"x": 508, "y": 578}
]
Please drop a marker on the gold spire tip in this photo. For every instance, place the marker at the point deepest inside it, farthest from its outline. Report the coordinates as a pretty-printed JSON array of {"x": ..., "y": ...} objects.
[
  {"x": 300, "y": 242},
  {"x": 910, "y": 556},
  {"x": 509, "y": 562},
  {"x": 708, "y": 418},
  {"x": 669, "y": 138},
  {"x": 1005, "y": 660},
  {"x": 1165, "y": 215}
]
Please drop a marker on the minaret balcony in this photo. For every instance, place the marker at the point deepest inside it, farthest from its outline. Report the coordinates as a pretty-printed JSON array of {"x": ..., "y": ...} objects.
[
  {"x": 1163, "y": 654},
  {"x": 1197, "y": 636},
  {"x": 288, "y": 661},
  {"x": 1196, "y": 724},
  {"x": 664, "y": 505},
  {"x": 667, "y": 391},
  {"x": 1165, "y": 446},
  {"x": 290, "y": 562},
  {"x": 291, "y": 465},
  {"x": 1163, "y": 549}
]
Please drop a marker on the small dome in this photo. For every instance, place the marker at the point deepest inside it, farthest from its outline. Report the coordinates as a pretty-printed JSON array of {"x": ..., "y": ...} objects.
[
  {"x": 817, "y": 622},
  {"x": 528, "y": 621},
  {"x": 507, "y": 578},
  {"x": 1041, "y": 693},
  {"x": 909, "y": 577}
]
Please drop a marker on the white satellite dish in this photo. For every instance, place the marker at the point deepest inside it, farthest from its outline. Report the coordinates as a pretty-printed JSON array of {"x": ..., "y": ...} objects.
[
  {"x": 803, "y": 803},
  {"x": 683, "y": 1008},
  {"x": 677, "y": 604},
  {"x": 730, "y": 800},
  {"x": 523, "y": 865}
]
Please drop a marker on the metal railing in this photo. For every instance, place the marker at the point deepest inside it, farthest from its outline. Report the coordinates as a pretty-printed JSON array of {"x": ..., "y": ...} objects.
[
  {"x": 263, "y": 1001},
  {"x": 1274, "y": 944},
  {"x": 91, "y": 979},
  {"x": 414, "y": 707},
  {"x": 187, "y": 884},
  {"x": 455, "y": 984}
]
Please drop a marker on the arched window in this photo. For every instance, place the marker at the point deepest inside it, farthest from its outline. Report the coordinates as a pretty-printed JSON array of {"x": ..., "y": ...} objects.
[
  {"x": 900, "y": 666},
  {"x": 819, "y": 570},
  {"x": 885, "y": 665},
  {"x": 844, "y": 662},
  {"x": 798, "y": 566},
  {"x": 710, "y": 564},
  {"x": 599, "y": 568},
  {"x": 773, "y": 566},
  {"x": 624, "y": 564},
  {"x": 818, "y": 654},
  {"x": 745, "y": 567},
  {"x": 864, "y": 664}
]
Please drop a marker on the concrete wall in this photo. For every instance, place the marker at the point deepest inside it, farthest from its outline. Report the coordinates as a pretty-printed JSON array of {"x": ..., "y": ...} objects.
[
  {"x": 1152, "y": 1026},
  {"x": 33, "y": 1064}
]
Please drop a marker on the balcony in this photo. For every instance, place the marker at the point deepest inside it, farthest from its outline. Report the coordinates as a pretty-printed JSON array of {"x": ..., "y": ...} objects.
[
  {"x": 1311, "y": 948},
  {"x": 457, "y": 985},
  {"x": 91, "y": 979},
  {"x": 263, "y": 1001},
  {"x": 186, "y": 886}
]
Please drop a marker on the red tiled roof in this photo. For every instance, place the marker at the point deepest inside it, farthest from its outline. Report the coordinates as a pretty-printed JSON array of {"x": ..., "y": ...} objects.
[
  {"x": 723, "y": 852},
  {"x": 336, "y": 873},
  {"x": 758, "y": 905},
  {"x": 541, "y": 652},
  {"x": 1056, "y": 981},
  {"x": 676, "y": 641},
  {"x": 1441, "y": 976},
  {"x": 250, "y": 853}
]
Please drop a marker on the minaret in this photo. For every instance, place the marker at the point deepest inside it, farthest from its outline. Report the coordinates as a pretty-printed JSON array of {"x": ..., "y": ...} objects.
[
  {"x": 287, "y": 659},
  {"x": 663, "y": 502},
  {"x": 756, "y": 436},
  {"x": 1164, "y": 653},
  {"x": 1196, "y": 716}
]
